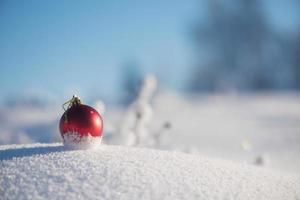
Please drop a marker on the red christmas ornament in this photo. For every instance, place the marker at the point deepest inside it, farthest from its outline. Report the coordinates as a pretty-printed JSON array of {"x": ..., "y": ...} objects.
[{"x": 80, "y": 124}]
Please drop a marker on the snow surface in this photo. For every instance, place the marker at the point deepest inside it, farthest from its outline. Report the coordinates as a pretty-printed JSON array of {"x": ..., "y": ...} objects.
[
  {"x": 50, "y": 171},
  {"x": 259, "y": 128},
  {"x": 256, "y": 128}
]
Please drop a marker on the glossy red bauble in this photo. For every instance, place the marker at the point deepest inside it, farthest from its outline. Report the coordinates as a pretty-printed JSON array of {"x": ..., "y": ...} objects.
[{"x": 82, "y": 120}]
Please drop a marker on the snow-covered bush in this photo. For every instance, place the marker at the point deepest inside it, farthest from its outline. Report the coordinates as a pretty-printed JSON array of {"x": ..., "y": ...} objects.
[{"x": 134, "y": 128}]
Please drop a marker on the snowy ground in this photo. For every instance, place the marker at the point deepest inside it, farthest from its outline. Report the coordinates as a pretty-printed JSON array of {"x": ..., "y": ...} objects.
[
  {"x": 261, "y": 129},
  {"x": 50, "y": 171}
]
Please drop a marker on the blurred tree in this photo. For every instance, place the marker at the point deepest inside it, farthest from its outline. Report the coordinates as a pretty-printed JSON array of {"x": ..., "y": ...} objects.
[
  {"x": 131, "y": 80},
  {"x": 297, "y": 63},
  {"x": 237, "y": 49}
]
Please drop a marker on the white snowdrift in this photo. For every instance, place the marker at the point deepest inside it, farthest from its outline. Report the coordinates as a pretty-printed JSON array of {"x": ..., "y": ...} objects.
[{"x": 49, "y": 171}]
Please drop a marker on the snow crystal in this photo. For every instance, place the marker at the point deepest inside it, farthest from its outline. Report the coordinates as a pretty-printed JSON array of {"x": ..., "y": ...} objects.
[
  {"x": 42, "y": 171},
  {"x": 74, "y": 140}
]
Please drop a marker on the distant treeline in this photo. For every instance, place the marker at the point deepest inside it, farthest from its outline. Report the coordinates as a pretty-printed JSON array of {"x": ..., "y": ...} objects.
[{"x": 237, "y": 48}]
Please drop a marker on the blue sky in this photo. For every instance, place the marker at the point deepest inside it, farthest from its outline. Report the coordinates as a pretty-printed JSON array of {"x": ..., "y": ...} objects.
[
  {"x": 71, "y": 46},
  {"x": 64, "y": 47}
]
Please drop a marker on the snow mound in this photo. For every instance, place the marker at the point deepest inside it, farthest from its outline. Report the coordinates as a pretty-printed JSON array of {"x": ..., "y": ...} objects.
[{"x": 50, "y": 171}]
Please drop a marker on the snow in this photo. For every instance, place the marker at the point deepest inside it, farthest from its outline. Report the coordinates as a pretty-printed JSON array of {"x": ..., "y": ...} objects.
[
  {"x": 74, "y": 140},
  {"x": 260, "y": 128},
  {"x": 50, "y": 171},
  {"x": 255, "y": 128}
]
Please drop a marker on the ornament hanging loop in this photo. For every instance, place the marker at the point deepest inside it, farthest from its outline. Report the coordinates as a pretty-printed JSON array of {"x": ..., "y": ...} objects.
[{"x": 75, "y": 100}]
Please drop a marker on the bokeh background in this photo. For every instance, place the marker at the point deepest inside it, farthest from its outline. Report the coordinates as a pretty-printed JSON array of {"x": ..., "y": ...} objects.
[{"x": 227, "y": 73}]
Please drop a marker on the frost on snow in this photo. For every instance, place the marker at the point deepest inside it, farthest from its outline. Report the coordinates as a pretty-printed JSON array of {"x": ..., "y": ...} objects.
[
  {"x": 50, "y": 171},
  {"x": 74, "y": 140}
]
